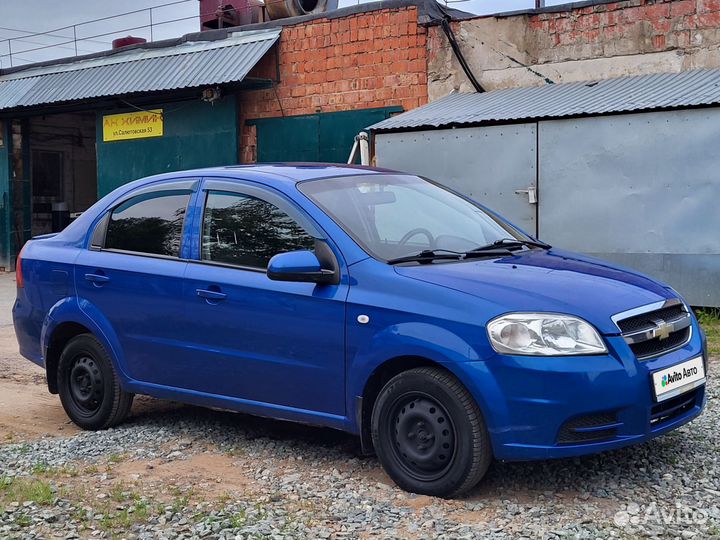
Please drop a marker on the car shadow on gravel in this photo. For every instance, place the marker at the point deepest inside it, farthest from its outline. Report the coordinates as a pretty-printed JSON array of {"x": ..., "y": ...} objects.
[
  {"x": 230, "y": 429},
  {"x": 597, "y": 475}
]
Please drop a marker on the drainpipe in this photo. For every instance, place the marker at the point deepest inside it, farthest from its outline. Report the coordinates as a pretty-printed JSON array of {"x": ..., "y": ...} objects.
[
  {"x": 445, "y": 25},
  {"x": 364, "y": 148}
]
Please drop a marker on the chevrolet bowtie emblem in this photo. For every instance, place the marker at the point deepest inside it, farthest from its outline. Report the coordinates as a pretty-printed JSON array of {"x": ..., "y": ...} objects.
[{"x": 663, "y": 329}]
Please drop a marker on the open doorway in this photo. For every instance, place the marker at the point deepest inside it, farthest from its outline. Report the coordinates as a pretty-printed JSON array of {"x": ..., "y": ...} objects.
[{"x": 63, "y": 167}]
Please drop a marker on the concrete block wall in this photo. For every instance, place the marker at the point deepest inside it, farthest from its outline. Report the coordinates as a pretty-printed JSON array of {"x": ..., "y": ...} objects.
[
  {"x": 366, "y": 60},
  {"x": 604, "y": 40}
]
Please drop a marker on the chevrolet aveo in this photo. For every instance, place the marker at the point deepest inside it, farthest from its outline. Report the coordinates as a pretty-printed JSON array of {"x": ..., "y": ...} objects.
[{"x": 366, "y": 300}]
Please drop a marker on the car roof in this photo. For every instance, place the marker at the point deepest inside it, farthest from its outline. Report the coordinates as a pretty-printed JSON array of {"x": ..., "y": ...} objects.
[{"x": 278, "y": 173}]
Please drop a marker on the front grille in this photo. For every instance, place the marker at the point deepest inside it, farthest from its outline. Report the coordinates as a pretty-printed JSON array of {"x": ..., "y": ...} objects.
[
  {"x": 589, "y": 429},
  {"x": 658, "y": 331},
  {"x": 656, "y": 347},
  {"x": 669, "y": 410},
  {"x": 645, "y": 320}
]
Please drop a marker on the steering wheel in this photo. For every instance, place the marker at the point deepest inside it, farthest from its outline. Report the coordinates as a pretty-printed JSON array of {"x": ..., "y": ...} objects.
[{"x": 415, "y": 232}]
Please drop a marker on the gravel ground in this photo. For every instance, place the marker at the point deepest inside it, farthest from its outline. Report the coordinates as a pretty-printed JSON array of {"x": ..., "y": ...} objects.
[{"x": 176, "y": 471}]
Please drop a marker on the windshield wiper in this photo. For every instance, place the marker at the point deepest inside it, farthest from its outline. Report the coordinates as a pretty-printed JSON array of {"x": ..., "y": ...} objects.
[
  {"x": 429, "y": 255},
  {"x": 510, "y": 243}
]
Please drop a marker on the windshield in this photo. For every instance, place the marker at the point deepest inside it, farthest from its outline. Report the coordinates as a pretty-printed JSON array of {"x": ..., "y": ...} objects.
[{"x": 393, "y": 216}]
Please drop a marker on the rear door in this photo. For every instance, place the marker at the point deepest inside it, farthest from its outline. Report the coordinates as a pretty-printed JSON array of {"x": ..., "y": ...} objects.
[
  {"x": 272, "y": 342},
  {"x": 132, "y": 276}
]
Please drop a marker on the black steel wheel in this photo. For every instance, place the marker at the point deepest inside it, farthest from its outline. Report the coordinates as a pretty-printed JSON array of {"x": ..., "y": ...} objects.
[
  {"x": 89, "y": 387},
  {"x": 424, "y": 436},
  {"x": 86, "y": 385},
  {"x": 429, "y": 433}
]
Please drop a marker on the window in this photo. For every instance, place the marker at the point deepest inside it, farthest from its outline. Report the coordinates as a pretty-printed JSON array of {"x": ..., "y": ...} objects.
[
  {"x": 245, "y": 231},
  {"x": 423, "y": 219},
  {"x": 149, "y": 223},
  {"x": 47, "y": 174},
  {"x": 397, "y": 215}
]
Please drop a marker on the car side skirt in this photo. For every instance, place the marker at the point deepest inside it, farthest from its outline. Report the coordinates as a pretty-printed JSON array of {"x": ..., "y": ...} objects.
[{"x": 257, "y": 408}]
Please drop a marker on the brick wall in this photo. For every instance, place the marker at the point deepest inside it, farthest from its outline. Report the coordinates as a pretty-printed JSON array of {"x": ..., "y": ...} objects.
[
  {"x": 605, "y": 40},
  {"x": 630, "y": 27},
  {"x": 371, "y": 59}
]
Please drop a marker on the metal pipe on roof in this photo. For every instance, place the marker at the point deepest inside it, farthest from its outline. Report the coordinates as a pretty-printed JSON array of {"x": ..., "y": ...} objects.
[{"x": 281, "y": 9}]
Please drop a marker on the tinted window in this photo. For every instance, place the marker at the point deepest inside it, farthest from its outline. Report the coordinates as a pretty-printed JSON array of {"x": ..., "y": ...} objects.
[
  {"x": 149, "y": 223},
  {"x": 246, "y": 231}
]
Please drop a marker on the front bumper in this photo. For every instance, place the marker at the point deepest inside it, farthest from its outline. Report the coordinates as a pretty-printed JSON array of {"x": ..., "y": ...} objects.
[{"x": 529, "y": 402}]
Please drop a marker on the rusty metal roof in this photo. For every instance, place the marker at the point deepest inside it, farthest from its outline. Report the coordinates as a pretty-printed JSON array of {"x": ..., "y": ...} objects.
[
  {"x": 625, "y": 94},
  {"x": 187, "y": 65}
]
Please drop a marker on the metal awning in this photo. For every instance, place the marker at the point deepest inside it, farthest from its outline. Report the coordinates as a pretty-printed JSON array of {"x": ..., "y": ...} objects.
[
  {"x": 187, "y": 65},
  {"x": 611, "y": 96}
]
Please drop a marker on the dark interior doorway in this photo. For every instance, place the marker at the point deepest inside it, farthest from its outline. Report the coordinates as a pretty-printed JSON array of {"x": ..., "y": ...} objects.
[{"x": 63, "y": 166}]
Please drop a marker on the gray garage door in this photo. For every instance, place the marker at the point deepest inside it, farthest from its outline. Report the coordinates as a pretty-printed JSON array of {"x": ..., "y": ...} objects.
[
  {"x": 640, "y": 190},
  {"x": 488, "y": 164}
]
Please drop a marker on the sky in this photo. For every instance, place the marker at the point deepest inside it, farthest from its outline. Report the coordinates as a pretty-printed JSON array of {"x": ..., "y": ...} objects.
[{"x": 20, "y": 23}]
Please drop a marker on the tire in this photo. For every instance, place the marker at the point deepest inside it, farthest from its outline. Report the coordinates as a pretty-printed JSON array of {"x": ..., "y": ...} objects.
[
  {"x": 429, "y": 433},
  {"x": 89, "y": 387}
]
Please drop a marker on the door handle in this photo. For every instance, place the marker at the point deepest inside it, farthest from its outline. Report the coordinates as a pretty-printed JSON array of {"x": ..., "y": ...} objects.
[
  {"x": 211, "y": 295},
  {"x": 97, "y": 279},
  {"x": 531, "y": 193}
]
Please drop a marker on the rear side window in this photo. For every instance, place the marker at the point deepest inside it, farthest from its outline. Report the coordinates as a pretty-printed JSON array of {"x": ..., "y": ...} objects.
[
  {"x": 245, "y": 231},
  {"x": 149, "y": 223}
]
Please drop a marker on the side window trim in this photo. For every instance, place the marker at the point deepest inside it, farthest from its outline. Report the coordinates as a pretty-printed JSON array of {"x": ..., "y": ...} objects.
[
  {"x": 97, "y": 240},
  {"x": 98, "y": 236},
  {"x": 190, "y": 185}
]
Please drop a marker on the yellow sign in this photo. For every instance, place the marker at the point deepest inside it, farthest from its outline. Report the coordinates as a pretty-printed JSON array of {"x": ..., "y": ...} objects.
[{"x": 134, "y": 125}]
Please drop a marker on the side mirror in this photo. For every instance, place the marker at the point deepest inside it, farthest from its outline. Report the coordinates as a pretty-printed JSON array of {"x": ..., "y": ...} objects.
[{"x": 299, "y": 266}]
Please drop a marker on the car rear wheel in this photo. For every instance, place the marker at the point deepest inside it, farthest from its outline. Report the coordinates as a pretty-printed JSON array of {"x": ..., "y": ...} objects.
[
  {"x": 89, "y": 387},
  {"x": 429, "y": 433}
]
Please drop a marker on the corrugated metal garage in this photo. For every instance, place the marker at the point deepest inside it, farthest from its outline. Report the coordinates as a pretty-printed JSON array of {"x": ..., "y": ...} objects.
[
  {"x": 187, "y": 65},
  {"x": 624, "y": 169},
  {"x": 57, "y": 147}
]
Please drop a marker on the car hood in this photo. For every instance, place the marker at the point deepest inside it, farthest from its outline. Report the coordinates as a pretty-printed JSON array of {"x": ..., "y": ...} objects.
[{"x": 548, "y": 281}]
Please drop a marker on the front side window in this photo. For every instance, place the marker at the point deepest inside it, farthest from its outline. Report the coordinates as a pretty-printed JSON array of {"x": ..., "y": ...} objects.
[
  {"x": 149, "y": 223},
  {"x": 394, "y": 216},
  {"x": 246, "y": 231}
]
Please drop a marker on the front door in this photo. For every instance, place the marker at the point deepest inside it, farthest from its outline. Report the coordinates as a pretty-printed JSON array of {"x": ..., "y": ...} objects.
[{"x": 263, "y": 341}]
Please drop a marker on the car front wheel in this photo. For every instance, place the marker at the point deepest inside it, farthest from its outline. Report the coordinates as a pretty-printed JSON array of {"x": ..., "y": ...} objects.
[
  {"x": 429, "y": 433},
  {"x": 89, "y": 387}
]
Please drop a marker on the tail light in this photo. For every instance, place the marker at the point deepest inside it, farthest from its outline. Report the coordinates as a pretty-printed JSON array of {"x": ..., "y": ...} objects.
[{"x": 18, "y": 270}]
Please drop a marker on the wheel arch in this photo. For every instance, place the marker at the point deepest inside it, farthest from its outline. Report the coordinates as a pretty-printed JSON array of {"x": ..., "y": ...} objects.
[
  {"x": 68, "y": 319},
  {"x": 377, "y": 380},
  {"x": 59, "y": 338}
]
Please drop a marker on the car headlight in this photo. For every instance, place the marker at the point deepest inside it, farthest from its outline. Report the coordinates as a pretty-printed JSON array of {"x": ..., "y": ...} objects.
[{"x": 544, "y": 334}]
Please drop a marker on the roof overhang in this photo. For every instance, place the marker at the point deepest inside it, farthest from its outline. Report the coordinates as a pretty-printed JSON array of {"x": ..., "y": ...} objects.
[
  {"x": 184, "y": 66},
  {"x": 661, "y": 91}
]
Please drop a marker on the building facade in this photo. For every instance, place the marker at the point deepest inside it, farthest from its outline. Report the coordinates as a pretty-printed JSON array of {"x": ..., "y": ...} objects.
[
  {"x": 582, "y": 41},
  {"x": 290, "y": 90},
  {"x": 299, "y": 89}
]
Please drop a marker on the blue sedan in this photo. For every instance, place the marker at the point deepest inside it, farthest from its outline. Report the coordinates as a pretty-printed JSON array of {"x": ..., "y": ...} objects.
[{"x": 367, "y": 300}]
